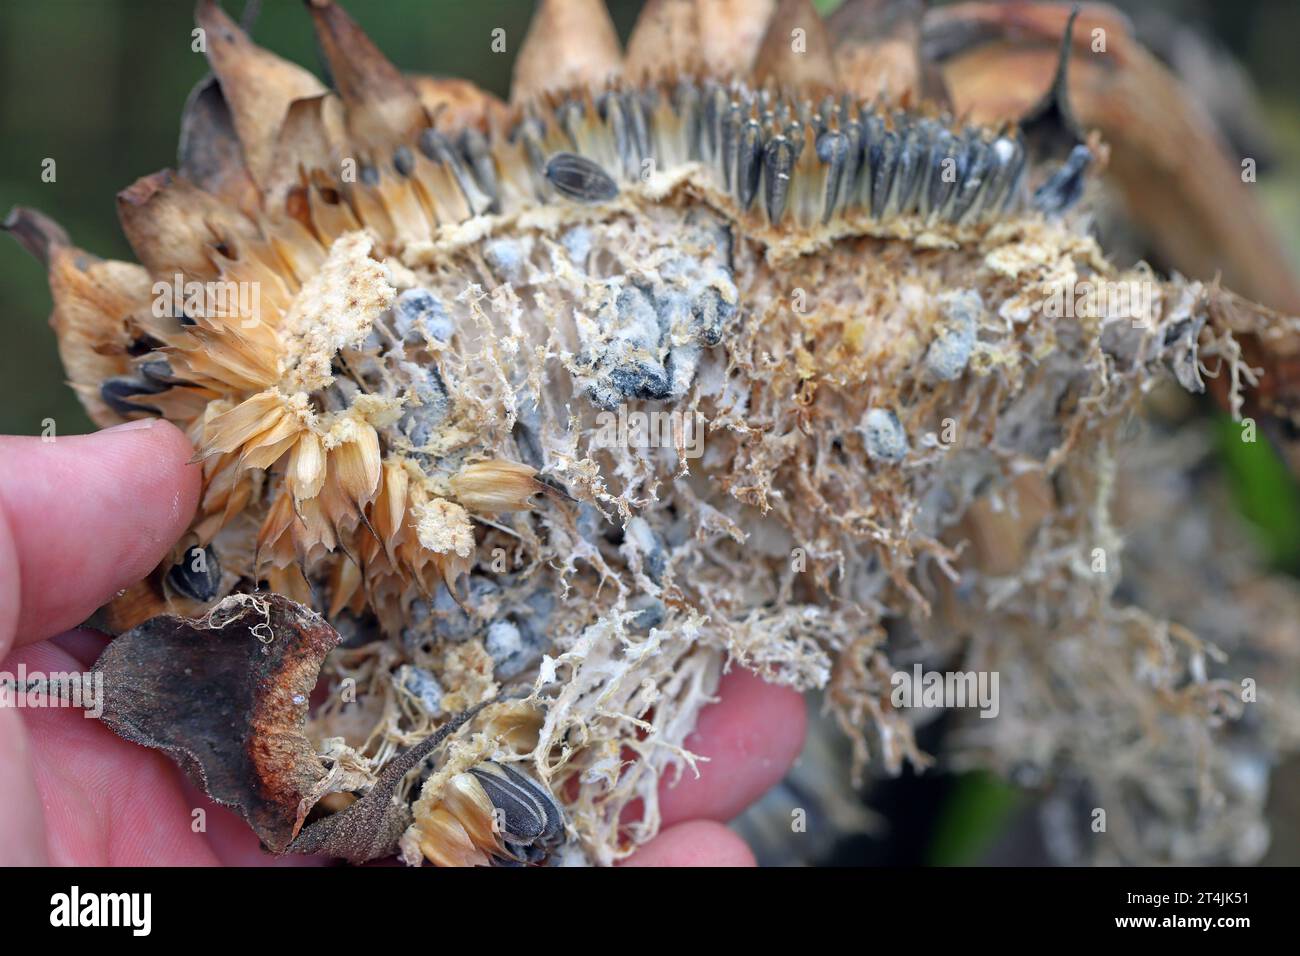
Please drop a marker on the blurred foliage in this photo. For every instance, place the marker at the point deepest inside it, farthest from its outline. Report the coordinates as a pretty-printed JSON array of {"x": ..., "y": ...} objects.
[
  {"x": 1265, "y": 492},
  {"x": 975, "y": 811}
]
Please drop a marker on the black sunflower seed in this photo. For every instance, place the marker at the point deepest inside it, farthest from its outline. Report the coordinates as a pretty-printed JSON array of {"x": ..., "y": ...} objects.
[
  {"x": 158, "y": 372},
  {"x": 121, "y": 394},
  {"x": 197, "y": 575},
  {"x": 884, "y": 162},
  {"x": 553, "y": 825},
  {"x": 833, "y": 150},
  {"x": 749, "y": 162},
  {"x": 1065, "y": 186},
  {"x": 778, "y": 168},
  {"x": 403, "y": 161},
  {"x": 523, "y": 817},
  {"x": 578, "y": 178}
]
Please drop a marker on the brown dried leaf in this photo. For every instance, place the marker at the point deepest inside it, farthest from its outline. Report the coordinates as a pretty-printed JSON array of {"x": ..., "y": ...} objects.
[
  {"x": 226, "y": 697},
  {"x": 209, "y": 154}
]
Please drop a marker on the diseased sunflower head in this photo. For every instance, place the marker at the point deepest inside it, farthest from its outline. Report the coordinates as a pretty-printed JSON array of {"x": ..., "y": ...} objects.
[{"x": 440, "y": 357}]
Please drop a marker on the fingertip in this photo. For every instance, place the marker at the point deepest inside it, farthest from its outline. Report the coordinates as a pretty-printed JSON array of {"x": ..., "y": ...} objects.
[
  {"x": 755, "y": 715},
  {"x": 751, "y": 737},
  {"x": 83, "y": 644},
  {"x": 696, "y": 843},
  {"x": 88, "y": 515},
  {"x": 149, "y": 444}
]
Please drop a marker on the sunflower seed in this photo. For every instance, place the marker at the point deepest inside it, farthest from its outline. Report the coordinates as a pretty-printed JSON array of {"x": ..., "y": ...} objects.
[
  {"x": 749, "y": 157},
  {"x": 778, "y": 167},
  {"x": 524, "y": 817},
  {"x": 474, "y": 146},
  {"x": 1065, "y": 186},
  {"x": 120, "y": 393},
  {"x": 158, "y": 371},
  {"x": 884, "y": 162},
  {"x": 403, "y": 160},
  {"x": 833, "y": 150},
  {"x": 1008, "y": 161},
  {"x": 978, "y": 167},
  {"x": 197, "y": 575},
  {"x": 578, "y": 178},
  {"x": 729, "y": 145}
]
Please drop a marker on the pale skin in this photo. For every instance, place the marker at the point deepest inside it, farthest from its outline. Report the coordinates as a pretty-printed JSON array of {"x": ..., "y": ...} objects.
[{"x": 82, "y": 517}]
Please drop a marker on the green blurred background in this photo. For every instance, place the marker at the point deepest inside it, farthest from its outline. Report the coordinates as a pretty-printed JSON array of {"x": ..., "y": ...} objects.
[{"x": 98, "y": 86}]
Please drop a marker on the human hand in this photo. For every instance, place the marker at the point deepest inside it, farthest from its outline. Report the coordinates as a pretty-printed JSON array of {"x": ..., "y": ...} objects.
[{"x": 83, "y": 517}]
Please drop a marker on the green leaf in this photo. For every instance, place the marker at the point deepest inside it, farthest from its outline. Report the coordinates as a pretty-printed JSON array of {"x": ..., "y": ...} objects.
[
  {"x": 1264, "y": 491},
  {"x": 973, "y": 815}
]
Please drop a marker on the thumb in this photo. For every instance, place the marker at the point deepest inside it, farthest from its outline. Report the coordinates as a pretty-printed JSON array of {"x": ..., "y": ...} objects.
[{"x": 82, "y": 517}]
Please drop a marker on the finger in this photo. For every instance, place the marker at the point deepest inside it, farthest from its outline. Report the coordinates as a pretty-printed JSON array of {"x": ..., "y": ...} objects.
[
  {"x": 106, "y": 802},
  {"x": 751, "y": 737},
  {"x": 84, "y": 516},
  {"x": 698, "y": 843},
  {"x": 82, "y": 644},
  {"x": 22, "y": 826}
]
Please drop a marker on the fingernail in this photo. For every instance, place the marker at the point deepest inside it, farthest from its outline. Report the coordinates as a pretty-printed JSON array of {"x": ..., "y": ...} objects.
[{"x": 130, "y": 426}]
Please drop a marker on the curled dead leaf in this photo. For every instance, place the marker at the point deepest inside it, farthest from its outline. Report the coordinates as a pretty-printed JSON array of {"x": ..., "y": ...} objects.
[{"x": 226, "y": 697}]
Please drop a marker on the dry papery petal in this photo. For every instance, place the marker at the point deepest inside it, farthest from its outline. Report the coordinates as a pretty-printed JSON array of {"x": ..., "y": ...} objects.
[{"x": 495, "y": 486}]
